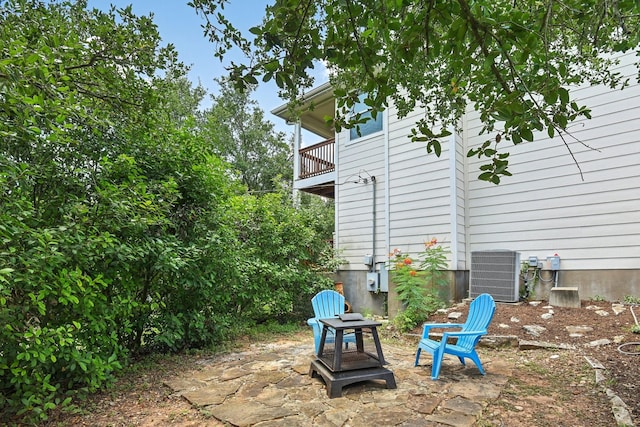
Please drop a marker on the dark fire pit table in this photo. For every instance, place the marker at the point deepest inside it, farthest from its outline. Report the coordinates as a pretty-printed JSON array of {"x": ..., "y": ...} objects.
[{"x": 343, "y": 367}]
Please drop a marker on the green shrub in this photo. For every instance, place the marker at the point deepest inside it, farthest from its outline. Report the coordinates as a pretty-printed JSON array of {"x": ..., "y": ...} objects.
[
  {"x": 121, "y": 231},
  {"x": 57, "y": 334}
]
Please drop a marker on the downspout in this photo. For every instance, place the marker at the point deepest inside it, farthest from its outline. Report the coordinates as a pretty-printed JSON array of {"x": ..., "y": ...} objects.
[
  {"x": 372, "y": 267},
  {"x": 387, "y": 201}
]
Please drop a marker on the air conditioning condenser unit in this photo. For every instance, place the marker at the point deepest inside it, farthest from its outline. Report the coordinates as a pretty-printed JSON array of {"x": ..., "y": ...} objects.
[{"x": 497, "y": 273}]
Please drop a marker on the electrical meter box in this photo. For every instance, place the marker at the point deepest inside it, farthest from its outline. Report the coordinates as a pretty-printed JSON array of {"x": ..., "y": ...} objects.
[
  {"x": 554, "y": 262},
  {"x": 533, "y": 261},
  {"x": 373, "y": 281}
]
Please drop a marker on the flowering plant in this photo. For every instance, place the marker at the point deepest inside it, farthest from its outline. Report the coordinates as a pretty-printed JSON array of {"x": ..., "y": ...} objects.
[{"x": 417, "y": 285}]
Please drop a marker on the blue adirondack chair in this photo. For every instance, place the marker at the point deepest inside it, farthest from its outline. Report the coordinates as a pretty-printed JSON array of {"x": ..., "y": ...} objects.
[
  {"x": 327, "y": 304},
  {"x": 480, "y": 314}
]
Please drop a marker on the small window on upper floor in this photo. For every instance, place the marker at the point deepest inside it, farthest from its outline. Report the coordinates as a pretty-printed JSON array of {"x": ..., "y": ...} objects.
[{"x": 370, "y": 126}]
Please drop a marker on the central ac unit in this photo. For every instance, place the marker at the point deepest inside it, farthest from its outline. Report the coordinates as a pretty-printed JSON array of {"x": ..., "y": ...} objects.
[{"x": 496, "y": 273}]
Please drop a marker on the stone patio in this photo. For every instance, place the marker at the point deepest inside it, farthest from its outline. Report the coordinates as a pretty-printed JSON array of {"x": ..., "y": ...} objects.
[{"x": 269, "y": 385}]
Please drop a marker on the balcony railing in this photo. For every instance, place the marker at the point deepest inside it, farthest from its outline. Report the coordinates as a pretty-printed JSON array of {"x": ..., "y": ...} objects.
[{"x": 317, "y": 159}]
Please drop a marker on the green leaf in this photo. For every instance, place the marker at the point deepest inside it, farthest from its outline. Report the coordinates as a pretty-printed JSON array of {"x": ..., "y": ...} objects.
[
  {"x": 485, "y": 176},
  {"x": 272, "y": 66},
  {"x": 564, "y": 95},
  {"x": 526, "y": 134},
  {"x": 551, "y": 97}
]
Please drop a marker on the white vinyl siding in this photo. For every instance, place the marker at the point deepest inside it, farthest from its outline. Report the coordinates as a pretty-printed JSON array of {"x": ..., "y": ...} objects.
[
  {"x": 420, "y": 195},
  {"x": 546, "y": 208},
  {"x": 543, "y": 209},
  {"x": 354, "y": 203}
]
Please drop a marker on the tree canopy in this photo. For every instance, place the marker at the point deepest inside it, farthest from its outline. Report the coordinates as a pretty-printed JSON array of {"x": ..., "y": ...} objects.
[
  {"x": 240, "y": 134},
  {"x": 514, "y": 61}
]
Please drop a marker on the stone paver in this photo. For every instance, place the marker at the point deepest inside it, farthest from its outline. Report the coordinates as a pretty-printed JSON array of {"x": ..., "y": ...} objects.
[{"x": 269, "y": 385}]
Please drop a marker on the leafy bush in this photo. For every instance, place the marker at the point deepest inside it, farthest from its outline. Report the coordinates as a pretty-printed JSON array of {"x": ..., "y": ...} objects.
[
  {"x": 120, "y": 230},
  {"x": 418, "y": 288},
  {"x": 277, "y": 258},
  {"x": 58, "y": 334}
]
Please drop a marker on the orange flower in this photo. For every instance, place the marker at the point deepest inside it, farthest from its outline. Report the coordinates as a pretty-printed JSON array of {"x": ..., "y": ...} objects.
[
  {"x": 412, "y": 273},
  {"x": 432, "y": 243},
  {"x": 407, "y": 261}
]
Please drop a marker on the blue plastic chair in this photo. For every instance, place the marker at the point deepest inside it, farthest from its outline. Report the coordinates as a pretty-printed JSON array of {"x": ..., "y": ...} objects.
[
  {"x": 480, "y": 314},
  {"x": 327, "y": 304}
]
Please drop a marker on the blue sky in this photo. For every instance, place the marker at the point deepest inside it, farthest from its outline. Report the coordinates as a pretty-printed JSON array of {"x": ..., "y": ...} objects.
[{"x": 180, "y": 25}]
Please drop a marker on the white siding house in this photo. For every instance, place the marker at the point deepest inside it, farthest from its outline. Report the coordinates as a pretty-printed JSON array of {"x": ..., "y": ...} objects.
[{"x": 390, "y": 193}]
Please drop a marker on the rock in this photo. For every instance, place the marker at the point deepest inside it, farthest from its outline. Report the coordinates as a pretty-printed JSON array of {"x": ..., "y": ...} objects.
[
  {"x": 548, "y": 307},
  {"x": 463, "y": 405},
  {"x": 454, "y": 315},
  {"x": 593, "y": 307},
  {"x": 497, "y": 341},
  {"x": 578, "y": 331},
  {"x": 620, "y": 412},
  {"x": 535, "y": 303},
  {"x": 534, "y": 330},
  {"x": 618, "y": 309},
  {"x": 532, "y": 345},
  {"x": 442, "y": 311},
  {"x": 595, "y": 364},
  {"x": 547, "y": 316},
  {"x": 618, "y": 339},
  {"x": 503, "y": 326},
  {"x": 237, "y": 412},
  {"x": 599, "y": 343},
  {"x": 515, "y": 320},
  {"x": 602, "y": 313}
]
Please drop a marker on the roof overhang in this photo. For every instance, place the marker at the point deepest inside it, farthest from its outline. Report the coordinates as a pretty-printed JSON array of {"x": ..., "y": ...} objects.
[{"x": 317, "y": 104}]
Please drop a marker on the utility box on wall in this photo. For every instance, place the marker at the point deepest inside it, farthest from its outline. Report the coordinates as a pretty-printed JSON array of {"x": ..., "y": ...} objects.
[
  {"x": 373, "y": 281},
  {"x": 384, "y": 278}
]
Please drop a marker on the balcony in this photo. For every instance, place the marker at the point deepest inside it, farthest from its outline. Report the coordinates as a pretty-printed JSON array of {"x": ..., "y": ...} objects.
[
  {"x": 317, "y": 168},
  {"x": 317, "y": 159}
]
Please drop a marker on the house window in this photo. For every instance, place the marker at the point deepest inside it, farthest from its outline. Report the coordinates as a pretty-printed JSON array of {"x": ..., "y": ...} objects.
[{"x": 370, "y": 126}]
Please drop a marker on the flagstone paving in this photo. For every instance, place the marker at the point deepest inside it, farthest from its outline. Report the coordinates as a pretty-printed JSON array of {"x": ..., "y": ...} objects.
[{"x": 269, "y": 385}]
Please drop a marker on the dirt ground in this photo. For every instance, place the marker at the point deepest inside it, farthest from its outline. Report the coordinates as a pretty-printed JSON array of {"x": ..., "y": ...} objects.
[
  {"x": 556, "y": 387},
  {"x": 549, "y": 387}
]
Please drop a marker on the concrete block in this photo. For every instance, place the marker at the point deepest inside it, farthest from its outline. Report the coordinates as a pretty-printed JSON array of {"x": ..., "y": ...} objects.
[{"x": 564, "y": 297}]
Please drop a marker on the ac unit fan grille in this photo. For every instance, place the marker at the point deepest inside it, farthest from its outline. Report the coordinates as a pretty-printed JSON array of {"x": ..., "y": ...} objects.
[{"x": 496, "y": 273}]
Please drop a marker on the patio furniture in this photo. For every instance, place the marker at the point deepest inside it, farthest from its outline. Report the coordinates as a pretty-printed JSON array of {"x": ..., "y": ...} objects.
[
  {"x": 339, "y": 367},
  {"x": 480, "y": 314},
  {"x": 327, "y": 304}
]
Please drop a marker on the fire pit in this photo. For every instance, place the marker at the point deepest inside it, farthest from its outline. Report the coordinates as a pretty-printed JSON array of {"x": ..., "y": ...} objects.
[{"x": 339, "y": 367}]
